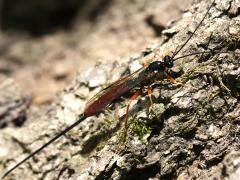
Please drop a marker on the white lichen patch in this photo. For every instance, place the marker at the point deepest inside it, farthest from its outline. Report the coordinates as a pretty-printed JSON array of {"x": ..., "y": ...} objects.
[
  {"x": 214, "y": 131},
  {"x": 72, "y": 107},
  {"x": 85, "y": 175},
  {"x": 134, "y": 66},
  {"x": 95, "y": 77},
  {"x": 4, "y": 150}
]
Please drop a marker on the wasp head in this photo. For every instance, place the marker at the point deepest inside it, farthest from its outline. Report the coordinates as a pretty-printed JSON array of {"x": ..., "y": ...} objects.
[{"x": 168, "y": 61}]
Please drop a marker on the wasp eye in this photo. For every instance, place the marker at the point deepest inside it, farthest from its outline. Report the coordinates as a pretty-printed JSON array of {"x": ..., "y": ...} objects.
[{"x": 168, "y": 61}]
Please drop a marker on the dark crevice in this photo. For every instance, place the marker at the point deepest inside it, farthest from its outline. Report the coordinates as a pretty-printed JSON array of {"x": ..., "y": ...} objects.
[
  {"x": 99, "y": 8},
  {"x": 235, "y": 14},
  {"x": 157, "y": 27},
  {"x": 181, "y": 156},
  {"x": 144, "y": 173},
  {"x": 157, "y": 125},
  {"x": 64, "y": 169},
  {"x": 169, "y": 176},
  {"x": 18, "y": 122},
  {"x": 233, "y": 83},
  {"x": 225, "y": 12},
  {"x": 189, "y": 134},
  {"x": 91, "y": 143},
  {"x": 169, "y": 36},
  {"x": 214, "y": 161},
  {"x": 39, "y": 17},
  {"x": 197, "y": 149},
  {"x": 146, "y": 52},
  {"x": 232, "y": 46},
  {"x": 224, "y": 171},
  {"x": 107, "y": 175},
  {"x": 174, "y": 111},
  {"x": 170, "y": 112}
]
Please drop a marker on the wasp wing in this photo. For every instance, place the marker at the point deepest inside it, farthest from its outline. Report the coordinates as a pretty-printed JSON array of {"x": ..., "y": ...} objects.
[{"x": 115, "y": 84}]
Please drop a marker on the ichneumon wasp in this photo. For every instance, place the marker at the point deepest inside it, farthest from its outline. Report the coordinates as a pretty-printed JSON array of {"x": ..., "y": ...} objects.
[{"x": 140, "y": 78}]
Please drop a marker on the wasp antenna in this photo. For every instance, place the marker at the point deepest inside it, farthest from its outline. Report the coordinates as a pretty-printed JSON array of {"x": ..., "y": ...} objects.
[
  {"x": 80, "y": 119},
  {"x": 204, "y": 52},
  {"x": 177, "y": 51}
]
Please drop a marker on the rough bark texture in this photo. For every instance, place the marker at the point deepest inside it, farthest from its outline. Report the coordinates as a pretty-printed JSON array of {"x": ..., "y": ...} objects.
[
  {"x": 192, "y": 130},
  {"x": 48, "y": 63},
  {"x": 13, "y": 104}
]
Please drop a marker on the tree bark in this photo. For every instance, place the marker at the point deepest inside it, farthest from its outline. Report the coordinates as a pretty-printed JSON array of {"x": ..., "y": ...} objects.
[{"x": 190, "y": 131}]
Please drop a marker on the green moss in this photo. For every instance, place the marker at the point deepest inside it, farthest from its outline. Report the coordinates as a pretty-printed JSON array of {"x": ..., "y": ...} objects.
[{"x": 140, "y": 126}]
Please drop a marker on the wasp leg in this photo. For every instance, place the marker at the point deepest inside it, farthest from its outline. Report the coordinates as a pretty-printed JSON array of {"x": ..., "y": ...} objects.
[
  {"x": 171, "y": 79},
  {"x": 134, "y": 97},
  {"x": 150, "y": 91}
]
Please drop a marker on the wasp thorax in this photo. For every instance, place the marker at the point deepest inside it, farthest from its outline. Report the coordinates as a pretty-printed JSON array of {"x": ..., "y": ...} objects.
[
  {"x": 156, "y": 66},
  {"x": 168, "y": 61}
]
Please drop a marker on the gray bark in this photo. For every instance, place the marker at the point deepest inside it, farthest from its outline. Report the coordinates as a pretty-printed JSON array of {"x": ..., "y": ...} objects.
[{"x": 191, "y": 131}]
